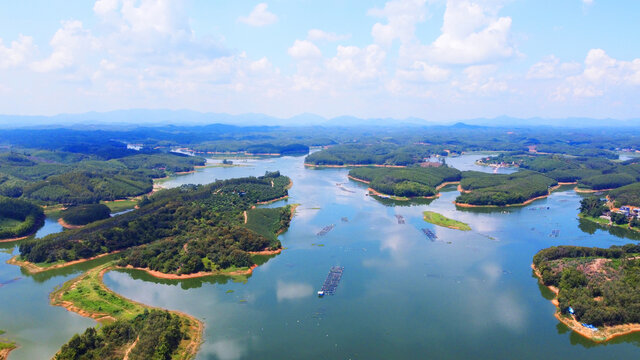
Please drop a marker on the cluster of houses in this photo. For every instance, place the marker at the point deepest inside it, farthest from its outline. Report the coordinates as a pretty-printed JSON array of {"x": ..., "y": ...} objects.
[{"x": 629, "y": 211}]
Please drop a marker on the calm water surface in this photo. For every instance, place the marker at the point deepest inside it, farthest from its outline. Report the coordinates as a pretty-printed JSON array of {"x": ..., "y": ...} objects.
[{"x": 402, "y": 296}]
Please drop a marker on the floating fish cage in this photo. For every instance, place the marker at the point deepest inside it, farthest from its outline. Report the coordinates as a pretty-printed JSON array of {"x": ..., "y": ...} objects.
[{"x": 332, "y": 281}]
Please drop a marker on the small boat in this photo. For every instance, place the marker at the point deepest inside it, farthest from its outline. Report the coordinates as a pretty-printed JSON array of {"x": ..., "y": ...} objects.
[{"x": 320, "y": 293}]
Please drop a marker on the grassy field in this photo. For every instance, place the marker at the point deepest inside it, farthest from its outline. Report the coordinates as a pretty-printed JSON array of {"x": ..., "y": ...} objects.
[
  {"x": 120, "y": 205},
  {"x": 87, "y": 293},
  {"x": 440, "y": 220},
  {"x": 5, "y": 344}
]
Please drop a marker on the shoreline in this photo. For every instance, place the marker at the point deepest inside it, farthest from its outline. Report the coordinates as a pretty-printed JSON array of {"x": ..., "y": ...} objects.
[
  {"x": 604, "y": 333},
  {"x": 589, "y": 191},
  {"x": 351, "y": 165},
  {"x": 32, "y": 268},
  {"x": 66, "y": 225},
  {"x": 201, "y": 274},
  {"x": 4, "y": 353},
  {"x": 15, "y": 239},
  {"x": 400, "y": 198}
]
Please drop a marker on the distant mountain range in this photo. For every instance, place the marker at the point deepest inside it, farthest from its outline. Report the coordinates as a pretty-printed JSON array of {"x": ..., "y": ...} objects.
[{"x": 148, "y": 117}]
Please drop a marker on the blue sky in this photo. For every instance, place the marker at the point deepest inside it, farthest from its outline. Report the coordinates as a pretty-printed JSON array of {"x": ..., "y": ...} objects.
[{"x": 433, "y": 59}]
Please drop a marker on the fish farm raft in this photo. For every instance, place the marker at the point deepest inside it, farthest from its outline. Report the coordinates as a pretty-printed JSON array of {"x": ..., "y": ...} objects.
[
  {"x": 332, "y": 281},
  {"x": 430, "y": 234},
  {"x": 400, "y": 219},
  {"x": 326, "y": 229}
]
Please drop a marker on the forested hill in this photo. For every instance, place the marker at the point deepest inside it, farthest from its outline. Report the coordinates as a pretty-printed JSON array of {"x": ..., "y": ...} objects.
[
  {"x": 193, "y": 228},
  {"x": 406, "y": 182},
  {"x": 482, "y": 189},
  {"x": 69, "y": 178},
  {"x": 596, "y": 173},
  {"x": 602, "y": 286}
]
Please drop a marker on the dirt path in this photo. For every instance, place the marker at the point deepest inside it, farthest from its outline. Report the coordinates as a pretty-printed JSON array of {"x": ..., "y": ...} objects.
[
  {"x": 246, "y": 218},
  {"x": 126, "y": 353}
]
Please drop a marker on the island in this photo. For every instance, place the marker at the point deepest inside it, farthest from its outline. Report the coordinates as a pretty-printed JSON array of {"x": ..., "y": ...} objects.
[
  {"x": 18, "y": 219},
  {"x": 441, "y": 220},
  {"x": 405, "y": 183},
  {"x": 81, "y": 215},
  {"x": 480, "y": 189},
  {"x": 597, "y": 290}
]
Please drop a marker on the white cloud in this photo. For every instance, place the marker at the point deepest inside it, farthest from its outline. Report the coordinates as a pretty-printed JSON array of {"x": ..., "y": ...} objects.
[
  {"x": 319, "y": 35},
  {"x": 304, "y": 49},
  {"x": 481, "y": 80},
  {"x": 423, "y": 72},
  {"x": 70, "y": 44},
  {"x": 601, "y": 74},
  {"x": 551, "y": 68},
  {"x": 18, "y": 53},
  {"x": 472, "y": 33},
  {"x": 358, "y": 64},
  {"x": 402, "y": 17},
  {"x": 587, "y": 2},
  {"x": 259, "y": 16},
  {"x": 103, "y": 7}
]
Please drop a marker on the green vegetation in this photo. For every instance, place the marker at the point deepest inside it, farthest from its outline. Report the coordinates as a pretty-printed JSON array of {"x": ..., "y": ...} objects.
[
  {"x": 440, "y": 220},
  {"x": 626, "y": 195},
  {"x": 593, "y": 207},
  {"x": 19, "y": 218},
  {"x": 268, "y": 222},
  {"x": 500, "y": 189},
  {"x": 121, "y": 205},
  {"x": 373, "y": 154},
  {"x": 406, "y": 182},
  {"x": 589, "y": 172},
  {"x": 185, "y": 230},
  {"x": 88, "y": 179},
  {"x": 85, "y": 214},
  {"x": 601, "y": 285},
  {"x": 129, "y": 327}
]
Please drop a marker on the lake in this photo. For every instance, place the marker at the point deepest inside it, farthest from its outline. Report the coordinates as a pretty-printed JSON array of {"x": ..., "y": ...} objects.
[{"x": 402, "y": 296}]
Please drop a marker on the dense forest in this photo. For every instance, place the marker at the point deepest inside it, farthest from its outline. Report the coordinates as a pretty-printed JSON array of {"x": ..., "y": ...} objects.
[
  {"x": 61, "y": 177},
  {"x": 85, "y": 214},
  {"x": 626, "y": 195},
  {"x": 601, "y": 285},
  {"x": 501, "y": 189},
  {"x": 406, "y": 182},
  {"x": 19, "y": 217},
  {"x": 595, "y": 173},
  {"x": 194, "y": 227},
  {"x": 372, "y": 154},
  {"x": 156, "y": 334}
]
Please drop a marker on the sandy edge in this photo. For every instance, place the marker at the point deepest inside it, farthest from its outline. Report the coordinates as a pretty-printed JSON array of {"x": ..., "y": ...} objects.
[
  {"x": 196, "y": 338},
  {"x": 161, "y": 275},
  {"x": 32, "y": 268},
  {"x": 66, "y": 225},
  {"x": 4, "y": 353},
  {"x": 352, "y": 165},
  {"x": 397, "y": 198},
  {"x": 604, "y": 333}
]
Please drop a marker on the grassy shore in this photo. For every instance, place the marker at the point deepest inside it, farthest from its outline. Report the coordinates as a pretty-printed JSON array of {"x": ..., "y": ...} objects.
[
  {"x": 88, "y": 296},
  {"x": 5, "y": 347},
  {"x": 440, "y": 220}
]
